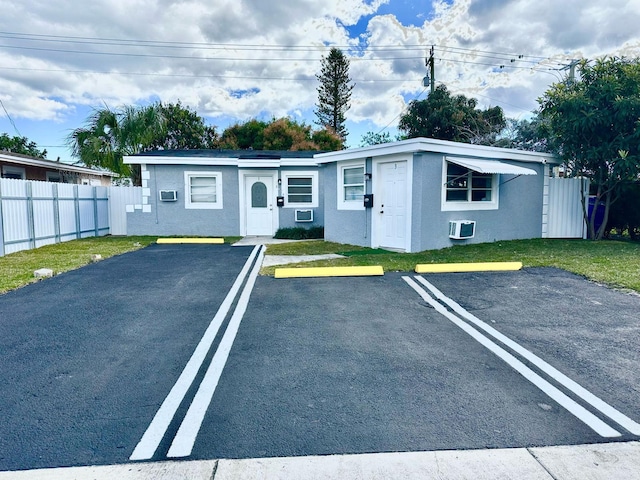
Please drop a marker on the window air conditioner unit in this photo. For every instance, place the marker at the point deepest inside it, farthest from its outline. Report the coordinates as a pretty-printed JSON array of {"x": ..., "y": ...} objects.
[
  {"x": 304, "y": 215},
  {"x": 168, "y": 195},
  {"x": 461, "y": 229}
]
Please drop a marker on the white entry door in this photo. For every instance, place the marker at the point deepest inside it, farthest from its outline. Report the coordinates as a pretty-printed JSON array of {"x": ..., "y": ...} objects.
[
  {"x": 259, "y": 205},
  {"x": 391, "y": 212}
]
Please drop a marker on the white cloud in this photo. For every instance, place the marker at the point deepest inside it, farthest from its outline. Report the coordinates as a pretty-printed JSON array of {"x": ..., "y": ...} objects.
[{"x": 42, "y": 80}]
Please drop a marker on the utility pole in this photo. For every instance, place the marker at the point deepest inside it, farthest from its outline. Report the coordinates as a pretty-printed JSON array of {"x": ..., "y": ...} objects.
[
  {"x": 572, "y": 70},
  {"x": 430, "y": 62}
]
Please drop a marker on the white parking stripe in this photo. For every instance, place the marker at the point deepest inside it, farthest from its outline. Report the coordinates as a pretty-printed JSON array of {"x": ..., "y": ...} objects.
[
  {"x": 184, "y": 440},
  {"x": 570, "y": 405},
  {"x": 558, "y": 376},
  {"x": 158, "y": 427}
]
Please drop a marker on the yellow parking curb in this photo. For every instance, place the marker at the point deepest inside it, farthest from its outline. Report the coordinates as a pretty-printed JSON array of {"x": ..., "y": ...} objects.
[
  {"x": 190, "y": 240},
  {"x": 468, "y": 267},
  {"x": 328, "y": 272}
]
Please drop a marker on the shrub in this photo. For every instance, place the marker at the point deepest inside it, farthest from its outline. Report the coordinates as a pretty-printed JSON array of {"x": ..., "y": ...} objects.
[{"x": 300, "y": 233}]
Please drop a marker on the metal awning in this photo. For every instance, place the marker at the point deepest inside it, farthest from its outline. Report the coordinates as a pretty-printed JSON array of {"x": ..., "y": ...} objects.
[{"x": 490, "y": 166}]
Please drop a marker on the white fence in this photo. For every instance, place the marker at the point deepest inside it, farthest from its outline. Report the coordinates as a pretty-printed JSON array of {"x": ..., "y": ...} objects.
[
  {"x": 564, "y": 217},
  {"x": 33, "y": 214}
]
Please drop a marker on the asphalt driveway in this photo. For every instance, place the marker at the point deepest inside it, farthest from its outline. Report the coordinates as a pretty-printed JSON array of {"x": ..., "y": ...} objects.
[{"x": 317, "y": 366}]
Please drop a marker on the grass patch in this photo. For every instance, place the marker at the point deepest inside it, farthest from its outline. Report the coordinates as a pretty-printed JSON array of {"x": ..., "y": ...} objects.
[
  {"x": 16, "y": 269},
  {"x": 615, "y": 263}
]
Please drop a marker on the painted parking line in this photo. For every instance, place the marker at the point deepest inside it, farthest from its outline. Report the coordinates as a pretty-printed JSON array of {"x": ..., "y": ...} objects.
[
  {"x": 185, "y": 438},
  {"x": 148, "y": 444},
  {"x": 468, "y": 267},
  {"x": 597, "y": 403},
  {"x": 588, "y": 418}
]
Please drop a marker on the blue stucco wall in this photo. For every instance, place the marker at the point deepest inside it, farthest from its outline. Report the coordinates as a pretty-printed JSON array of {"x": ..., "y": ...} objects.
[
  {"x": 344, "y": 226},
  {"x": 519, "y": 215},
  {"x": 172, "y": 218}
]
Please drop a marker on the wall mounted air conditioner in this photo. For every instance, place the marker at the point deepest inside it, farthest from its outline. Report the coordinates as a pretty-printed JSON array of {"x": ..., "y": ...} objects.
[
  {"x": 304, "y": 215},
  {"x": 168, "y": 195},
  {"x": 461, "y": 229}
]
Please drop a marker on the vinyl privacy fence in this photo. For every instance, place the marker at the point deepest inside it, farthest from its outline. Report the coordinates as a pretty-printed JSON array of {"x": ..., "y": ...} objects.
[{"x": 33, "y": 214}]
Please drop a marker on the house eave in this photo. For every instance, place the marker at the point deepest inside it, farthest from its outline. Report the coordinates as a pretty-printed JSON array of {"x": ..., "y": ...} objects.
[
  {"x": 417, "y": 145},
  {"x": 224, "y": 161},
  {"x": 23, "y": 160}
]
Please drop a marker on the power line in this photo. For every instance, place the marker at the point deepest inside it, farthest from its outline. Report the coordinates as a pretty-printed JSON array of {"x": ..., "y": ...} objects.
[{"x": 10, "y": 119}]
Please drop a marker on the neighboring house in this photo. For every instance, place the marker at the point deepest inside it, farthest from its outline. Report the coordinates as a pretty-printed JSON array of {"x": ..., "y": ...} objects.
[
  {"x": 225, "y": 192},
  {"x": 24, "y": 167},
  {"x": 420, "y": 193}
]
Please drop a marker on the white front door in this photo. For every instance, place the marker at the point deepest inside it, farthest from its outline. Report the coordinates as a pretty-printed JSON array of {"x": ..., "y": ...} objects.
[
  {"x": 391, "y": 212},
  {"x": 259, "y": 205}
]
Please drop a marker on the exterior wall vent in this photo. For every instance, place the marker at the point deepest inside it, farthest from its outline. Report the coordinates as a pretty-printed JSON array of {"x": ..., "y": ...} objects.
[
  {"x": 462, "y": 229},
  {"x": 168, "y": 195},
  {"x": 304, "y": 215}
]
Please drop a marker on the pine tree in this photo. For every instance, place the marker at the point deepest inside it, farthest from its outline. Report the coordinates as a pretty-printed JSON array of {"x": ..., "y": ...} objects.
[{"x": 334, "y": 92}]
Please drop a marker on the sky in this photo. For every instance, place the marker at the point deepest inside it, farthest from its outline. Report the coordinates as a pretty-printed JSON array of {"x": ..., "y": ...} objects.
[{"x": 234, "y": 60}]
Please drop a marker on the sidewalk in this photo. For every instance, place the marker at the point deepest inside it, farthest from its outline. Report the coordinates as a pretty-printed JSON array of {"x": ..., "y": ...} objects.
[{"x": 607, "y": 461}]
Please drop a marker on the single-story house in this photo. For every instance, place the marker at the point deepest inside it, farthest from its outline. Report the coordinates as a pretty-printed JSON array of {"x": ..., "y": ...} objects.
[
  {"x": 409, "y": 196},
  {"x": 25, "y": 167}
]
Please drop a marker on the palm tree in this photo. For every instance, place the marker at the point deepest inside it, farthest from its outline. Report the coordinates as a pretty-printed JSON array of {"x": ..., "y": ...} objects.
[{"x": 109, "y": 135}]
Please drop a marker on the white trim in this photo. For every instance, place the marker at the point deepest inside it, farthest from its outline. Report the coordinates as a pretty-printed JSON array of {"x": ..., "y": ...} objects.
[
  {"x": 376, "y": 186},
  {"x": 349, "y": 204},
  {"x": 242, "y": 194},
  {"x": 11, "y": 170},
  {"x": 461, "y": 206},
  {"x": 415, "y": 145},
  {"x": 314, "y": 188},
  {"x": 268, "y": 163},
  {"x": 188, "y": 204}
]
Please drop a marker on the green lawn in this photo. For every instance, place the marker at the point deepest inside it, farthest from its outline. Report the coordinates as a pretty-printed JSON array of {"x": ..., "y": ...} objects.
[
  {"x": 16, "y": 269},
  {"x": 616, "y": 263}
]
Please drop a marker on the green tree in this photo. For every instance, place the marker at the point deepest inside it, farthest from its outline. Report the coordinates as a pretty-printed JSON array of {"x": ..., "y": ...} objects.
[
  {"x": 278, "y": 134},
  {"x": 21, "y": 145},
  {"x": 242, "y": 136},
  {"x": 334, "y": 92},
  {"x": 185, "y": 130},
  {"x": 371, "y": 138},
  {"x": 454, "y": 118},
  {"x": 108, "y": 135},
  {"x": 596, "y": 128},
  {"x": 531, "y": 135}
]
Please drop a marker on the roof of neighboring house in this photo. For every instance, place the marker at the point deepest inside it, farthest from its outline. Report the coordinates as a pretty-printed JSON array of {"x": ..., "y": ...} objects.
[
  {"x": 26, "y": 160},
  {"x": 416, "y": 145},
  {"x": 241, "y": 158}
]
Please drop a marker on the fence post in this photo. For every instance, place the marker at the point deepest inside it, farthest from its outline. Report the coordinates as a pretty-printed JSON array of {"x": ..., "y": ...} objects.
[
  {"x": 76, "y": 204},
  {"x": 30, "y": 216},
  {"x": 95, "y": 211},
  {"x": 56, "y": 212},
  {"x": 1, "y": 224}
]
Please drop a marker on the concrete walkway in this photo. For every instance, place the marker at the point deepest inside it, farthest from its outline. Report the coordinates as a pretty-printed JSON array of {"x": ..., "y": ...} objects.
[
  {"x": 270, "y": 260},
  {"x": 595, "y": 462}
]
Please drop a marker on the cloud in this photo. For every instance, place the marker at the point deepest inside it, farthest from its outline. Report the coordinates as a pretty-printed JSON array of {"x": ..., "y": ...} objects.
[{"x": 238, "y": 59}]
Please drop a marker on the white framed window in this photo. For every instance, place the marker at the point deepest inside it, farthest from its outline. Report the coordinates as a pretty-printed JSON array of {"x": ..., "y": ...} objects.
[
  {"x": 465, "y": 189},
  {"x": 55, "y": 177},
  {"x": 300, "y": 189},
  {"x": 351, "y": 186},
  {"x": 17, "y": 173},
  {"x": 203, "y": 190}
]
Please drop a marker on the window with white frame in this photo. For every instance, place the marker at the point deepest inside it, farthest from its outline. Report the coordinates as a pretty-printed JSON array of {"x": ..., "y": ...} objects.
[
  {"x": 465, "y": 189},
  {"x": 351, "y": 186},
  {"x": 203, "y": 190},
  {"x": 17, "y": 173},
  {"x": 300, "y": 189}
]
